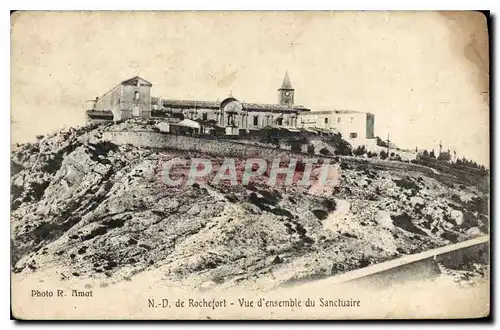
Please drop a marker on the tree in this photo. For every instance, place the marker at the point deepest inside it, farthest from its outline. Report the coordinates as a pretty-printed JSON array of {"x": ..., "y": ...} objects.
[
  {"x": 383, "y": 154},
  {"x": 432, "y": 155},
  {"x": 425, "y": 154}
]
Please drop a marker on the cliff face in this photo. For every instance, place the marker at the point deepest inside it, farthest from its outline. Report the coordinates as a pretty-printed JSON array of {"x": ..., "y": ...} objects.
[{"x": 85, "y": 207}]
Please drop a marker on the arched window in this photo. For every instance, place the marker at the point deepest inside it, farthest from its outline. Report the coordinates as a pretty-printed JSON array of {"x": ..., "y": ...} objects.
[{"x": 136, "y": 96}]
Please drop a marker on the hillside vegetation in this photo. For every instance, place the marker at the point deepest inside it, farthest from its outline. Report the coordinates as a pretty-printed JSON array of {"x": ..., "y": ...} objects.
[{"x": 88, "y": 208}]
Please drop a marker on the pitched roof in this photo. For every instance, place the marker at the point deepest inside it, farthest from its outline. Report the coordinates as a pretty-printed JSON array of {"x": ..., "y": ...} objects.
[
  {"x": 329, "y": 112},
  {"x": 190, "y": 104},
  {"x": 188, "y": 123},
  {"x": 286, "y": 82},
  {"x": 216, "y": 105},
  {"x": 270, "y": 107},
  {"x": 134, "y": 80}
]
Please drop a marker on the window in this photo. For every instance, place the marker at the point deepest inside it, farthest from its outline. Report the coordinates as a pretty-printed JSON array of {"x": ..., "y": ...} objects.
[
  {"x": 279, "y": 121},
  {"x": 136, "y": 96},
  {"x": 204, "y": 116},
  {"x": 352, "y": 119},
  {"x": 353, "y": 135},
  {"x": 338, "y": 120},
  {"x": 326, "y": 120},
  {"x": 255, "y": 120}
]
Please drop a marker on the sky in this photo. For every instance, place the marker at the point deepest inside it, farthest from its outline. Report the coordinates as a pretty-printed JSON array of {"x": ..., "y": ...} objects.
[{"x": 423, "y": 74}]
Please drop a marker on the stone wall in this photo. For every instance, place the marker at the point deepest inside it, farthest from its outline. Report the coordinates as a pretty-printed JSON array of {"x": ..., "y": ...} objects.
[
  {"x": 187, "y": 143},
  {"x": 110, "y": 101}
]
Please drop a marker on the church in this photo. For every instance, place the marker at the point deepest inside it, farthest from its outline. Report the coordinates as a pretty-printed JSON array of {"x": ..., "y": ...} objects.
[{"x": 132, "y": 99}]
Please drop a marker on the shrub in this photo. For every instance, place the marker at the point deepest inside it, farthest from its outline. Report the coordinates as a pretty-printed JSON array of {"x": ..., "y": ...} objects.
[
  {"x": 282, "y": 212},
  {"x": 383, "y": 154},
  {"x": 39, "y": 189},
  {"x": 54, "y": 163},
  {"x": 404, "y": 221},
  {"x": 456, "y": 199},
  {"x": 329, "y": 204},
  {"x": 452, "y": 237},
  {"x": 406, "y": 183},
  {"x": 479, "y": 204},
  {"x": 47, "y": 230},
  {"x": 359, "y": 151},
  {"x": 320, "y": 214},
  {"x": 396, "y": 157},
  {"x": 325, "y": 152},
  {"x": 272, "y": 197},
  {"x": 344, "y": 166},
  {"x": 295, "y": 147},
  {"x": 101, "y": 230},
  {"x": 232, "y": 198},
  {"x": 310, "y": 149}
]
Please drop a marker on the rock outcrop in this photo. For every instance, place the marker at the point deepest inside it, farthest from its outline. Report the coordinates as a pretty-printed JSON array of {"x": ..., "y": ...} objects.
[{"x": 90, "y": 208}]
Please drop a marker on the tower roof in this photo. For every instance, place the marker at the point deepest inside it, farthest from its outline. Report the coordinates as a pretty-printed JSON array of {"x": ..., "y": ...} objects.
[
  {"x": 135, "y": 80},
  {"x": 286, "y": 82}
]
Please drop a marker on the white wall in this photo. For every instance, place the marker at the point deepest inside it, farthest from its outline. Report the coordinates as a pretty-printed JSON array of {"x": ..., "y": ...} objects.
[
  {"x": 357, "y": 128},
  {"x": 345, "y": 123}
]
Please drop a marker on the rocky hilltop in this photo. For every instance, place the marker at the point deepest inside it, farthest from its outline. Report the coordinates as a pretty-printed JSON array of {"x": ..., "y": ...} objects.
[{"x": 83, "y": 206}]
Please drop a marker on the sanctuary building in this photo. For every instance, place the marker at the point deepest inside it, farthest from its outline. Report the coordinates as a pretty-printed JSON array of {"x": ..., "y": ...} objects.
[{"x": 132, "y": 98}]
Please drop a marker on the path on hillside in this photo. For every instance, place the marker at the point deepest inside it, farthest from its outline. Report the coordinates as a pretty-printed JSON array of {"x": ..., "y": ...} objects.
[{"x": 393, "y": 269}]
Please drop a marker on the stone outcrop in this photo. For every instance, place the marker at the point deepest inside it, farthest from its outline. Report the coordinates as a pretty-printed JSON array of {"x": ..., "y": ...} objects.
[{"x": 84, "y": 203}]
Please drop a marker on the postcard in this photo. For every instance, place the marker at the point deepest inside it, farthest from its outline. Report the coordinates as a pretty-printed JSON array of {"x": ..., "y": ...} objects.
[{"x": 250, "y": 165}]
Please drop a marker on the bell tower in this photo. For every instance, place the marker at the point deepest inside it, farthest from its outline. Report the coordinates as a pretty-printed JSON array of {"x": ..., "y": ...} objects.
[{"x": 285, "y": 93}]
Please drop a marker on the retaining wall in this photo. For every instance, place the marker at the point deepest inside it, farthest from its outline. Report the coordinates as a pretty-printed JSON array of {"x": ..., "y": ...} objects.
[{"x": 186, "y": 143}]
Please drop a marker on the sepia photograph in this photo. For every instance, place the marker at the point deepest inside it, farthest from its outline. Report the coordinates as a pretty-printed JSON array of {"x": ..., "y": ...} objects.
[{"x": 250, "y": 165}]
